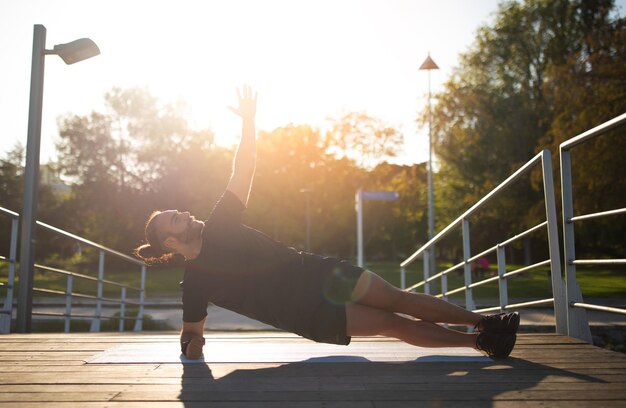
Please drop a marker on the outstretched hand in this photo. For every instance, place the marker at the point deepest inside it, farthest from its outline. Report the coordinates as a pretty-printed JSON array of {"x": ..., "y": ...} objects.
[{"x": 247, "y": 103}]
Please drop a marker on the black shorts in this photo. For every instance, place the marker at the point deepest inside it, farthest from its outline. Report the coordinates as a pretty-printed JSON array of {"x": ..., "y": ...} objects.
[{"x": 333, "y": 285}]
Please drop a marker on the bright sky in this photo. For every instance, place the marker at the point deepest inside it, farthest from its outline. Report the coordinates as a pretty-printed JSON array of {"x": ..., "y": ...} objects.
[{"x": 307, "y": 59}]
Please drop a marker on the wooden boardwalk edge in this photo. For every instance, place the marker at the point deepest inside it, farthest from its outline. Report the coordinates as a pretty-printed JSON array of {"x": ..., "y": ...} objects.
[{"x": 38, "y": 370}]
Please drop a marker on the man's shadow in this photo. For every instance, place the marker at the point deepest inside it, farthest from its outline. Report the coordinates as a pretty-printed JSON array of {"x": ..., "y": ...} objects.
[{"x": 356, "y": 379}]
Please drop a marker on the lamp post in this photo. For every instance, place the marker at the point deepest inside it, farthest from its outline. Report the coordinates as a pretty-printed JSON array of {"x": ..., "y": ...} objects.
[
  {"x": 308, "y": 192},
  {"x": 429, "y": 65},
  {"x": 70, "y": 53}
]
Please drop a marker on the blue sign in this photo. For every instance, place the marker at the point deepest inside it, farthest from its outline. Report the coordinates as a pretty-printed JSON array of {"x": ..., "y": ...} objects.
[{"x": 380, "y": 195}]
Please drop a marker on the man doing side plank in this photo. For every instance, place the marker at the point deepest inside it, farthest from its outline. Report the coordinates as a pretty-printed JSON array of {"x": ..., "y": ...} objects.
[{"x": 323, "y": 299}]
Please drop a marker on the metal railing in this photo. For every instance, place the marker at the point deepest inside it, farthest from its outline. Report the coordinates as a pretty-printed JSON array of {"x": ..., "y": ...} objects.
[
  {"x": 96, "y": 318},
  {"x": 550, "y": 225},
  {"x": 577, "y": 324}
]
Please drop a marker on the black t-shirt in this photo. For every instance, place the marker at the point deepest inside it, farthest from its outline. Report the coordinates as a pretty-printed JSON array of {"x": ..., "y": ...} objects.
[{"x": 243, "y": 270}]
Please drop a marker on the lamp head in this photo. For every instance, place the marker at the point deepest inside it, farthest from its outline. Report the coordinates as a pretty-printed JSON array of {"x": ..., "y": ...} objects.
[
  {"x": 77, "y": 50},
  {"x": 428, "y": 64}
]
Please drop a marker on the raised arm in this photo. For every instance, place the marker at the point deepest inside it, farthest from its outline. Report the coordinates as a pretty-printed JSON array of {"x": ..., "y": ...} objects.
[{"x": 245, "y": 158}]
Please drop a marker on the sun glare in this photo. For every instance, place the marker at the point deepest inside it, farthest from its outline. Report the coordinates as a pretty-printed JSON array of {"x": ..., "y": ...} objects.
[{"x": 308, "y": 60}]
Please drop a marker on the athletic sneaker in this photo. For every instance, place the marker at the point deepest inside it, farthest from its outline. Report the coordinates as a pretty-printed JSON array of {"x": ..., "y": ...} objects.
[
  {"x": 499, "y": 323},
  {"x": 496, "y": 345}
]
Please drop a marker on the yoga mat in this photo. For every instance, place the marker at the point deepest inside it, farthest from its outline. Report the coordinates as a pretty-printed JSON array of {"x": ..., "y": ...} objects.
[{"x": 227, "y": 351}]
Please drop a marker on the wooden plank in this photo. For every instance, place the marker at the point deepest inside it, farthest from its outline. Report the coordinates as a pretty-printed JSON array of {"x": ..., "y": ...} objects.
[
  {"x": 367, "y": 378},
  {"x": 47, "y": 362},
  {"x": 314, "y": 386},
  {"x": 367, "y": 395},
  {"x": 66, "y": 397},
  {"x": 499, "y": 404},
  {"x": 187, "y": 404},
  {"x": 311, "y": 404}
]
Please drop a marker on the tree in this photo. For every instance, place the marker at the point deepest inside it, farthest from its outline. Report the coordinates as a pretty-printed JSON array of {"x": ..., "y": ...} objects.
[
  {"x": 137, "y": 156},
  {"x": 363, "y": 138},
  {"x": 50, "y": 202},
  {"x": 493, "y": 112},
  {"x": 293, "y": 158},
  {"x": 587, "y": 90},
  {"x": 395, "y": 229}
]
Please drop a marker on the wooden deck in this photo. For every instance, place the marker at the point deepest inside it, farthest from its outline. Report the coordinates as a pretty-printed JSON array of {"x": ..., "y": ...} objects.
[{"x": 48, "y": 370}]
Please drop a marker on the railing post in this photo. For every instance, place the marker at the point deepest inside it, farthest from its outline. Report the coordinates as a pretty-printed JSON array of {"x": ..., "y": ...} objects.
[
  {"x": 68, "y": 303},
  {"x": 444, "y": 285},
  {"x": 122, "y": 307},
  {"x": 467, "y": 268},
  {"x": 358, "y": 198},
  {"x": 139, "y": 319},
  {"x": 577, "y": 324},
  {"x": 95, "y": 323},
  {"x": 558, "y": 291},
  {"x": 503, "y": 285},
  {"x": 7, "y": 309},
  {"x": 402, "y": 278},
  {"x": 426, "y": 271}
]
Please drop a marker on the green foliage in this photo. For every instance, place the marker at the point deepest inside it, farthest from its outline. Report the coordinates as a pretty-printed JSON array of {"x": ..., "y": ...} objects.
[
  {"x": 365, "y": 139},
  {"x": 11, "y": 194},
  {"x": 137, "y": 157},
  {"x": 543, "y": 71}
]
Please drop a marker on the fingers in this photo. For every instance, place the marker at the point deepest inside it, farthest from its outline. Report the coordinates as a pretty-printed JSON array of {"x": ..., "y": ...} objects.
[
  {"x": 247, "y": 93},
  {"x": 247, "y": 102}
]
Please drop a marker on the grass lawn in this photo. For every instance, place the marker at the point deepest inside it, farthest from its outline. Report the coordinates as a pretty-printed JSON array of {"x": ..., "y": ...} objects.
[{"x": 163, "y": 282}]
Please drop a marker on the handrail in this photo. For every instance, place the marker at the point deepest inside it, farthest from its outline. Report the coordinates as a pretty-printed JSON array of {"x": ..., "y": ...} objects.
[
  {"x": 518, "y": 305},
  {"x": 594, "y": 132},
  {"x": 81, "y": 276},
  {"x": 549, "y": 226},
  {"x": 577, "y": 324},
  {"x": 6, "y": 311},
  {"x": 91, "y": 243},
  {"x": 598, "y": 307},
  {"x": 526, "y": 268},
  {"x": 596, "y": 261},
  {"x": 8, "y": 212},
  {"x": 597, "y": 215},
  {"x": 474, "y": 208}
]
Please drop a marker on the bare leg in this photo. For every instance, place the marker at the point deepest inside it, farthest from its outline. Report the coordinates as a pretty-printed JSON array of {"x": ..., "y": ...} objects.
[
  {"x": 372, "y": 290},
  {"x": 368, "y": 321}
]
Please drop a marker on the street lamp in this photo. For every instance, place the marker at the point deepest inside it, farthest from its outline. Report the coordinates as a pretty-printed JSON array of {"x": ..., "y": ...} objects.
[
  {"x": 308, "y": 192},
  {"x": 429, "y": 65},
  {"x": 70, "y": 53}
]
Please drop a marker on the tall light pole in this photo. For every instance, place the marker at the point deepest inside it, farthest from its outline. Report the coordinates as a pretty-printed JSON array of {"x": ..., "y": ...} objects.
[
  {"x": 70, "y": 53},
  {"x": 308, "y": 192},
  {"x": 429, "y": 65}
]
